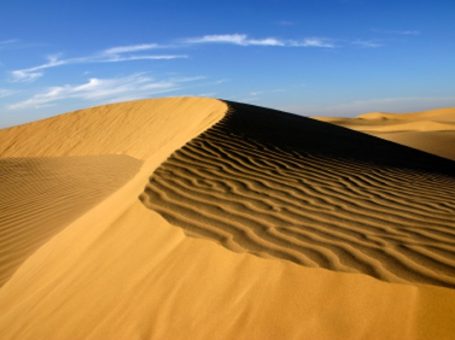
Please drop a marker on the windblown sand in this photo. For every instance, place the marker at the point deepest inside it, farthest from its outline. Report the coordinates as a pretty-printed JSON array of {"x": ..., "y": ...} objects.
[{"x": 251, "y": 224}]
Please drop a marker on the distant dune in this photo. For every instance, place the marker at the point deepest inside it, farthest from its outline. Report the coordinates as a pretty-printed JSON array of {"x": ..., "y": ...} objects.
[
  {"x": 431, "y": 131},
  {"x": 194, "y": 217}
]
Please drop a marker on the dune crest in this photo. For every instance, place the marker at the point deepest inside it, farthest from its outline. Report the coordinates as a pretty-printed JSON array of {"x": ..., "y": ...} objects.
[
  {"x": 140, "y": 129},
  {"x": 431, "y": 131},
  {"x": 441, "y": 115},
  {"x": 55, "y": 170}
]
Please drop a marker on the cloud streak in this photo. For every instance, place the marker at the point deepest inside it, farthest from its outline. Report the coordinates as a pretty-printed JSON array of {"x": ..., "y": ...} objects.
[
  {"x": 367, "y": 43},
  {"x": 33, "y": 73},
  {"x": 234, "y": 39},
  {"x": 312, "y": 42},
  {"x": 245, "y": 40},
  {"x": 8, "y": 42},
  {"x": 286, "y": 23},
  {"x": 137, "y": 52},
  {"x": 397, "y": 32},
  {"x": 130, "y": 48},
  {"x": 137, "y": 85},
  {"x": 110, "y": 55},
  {"x": 6, "y": 93}
]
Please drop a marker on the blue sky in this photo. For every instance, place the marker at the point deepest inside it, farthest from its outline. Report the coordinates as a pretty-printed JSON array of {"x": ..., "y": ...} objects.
[{"x": 331, "y": 57}]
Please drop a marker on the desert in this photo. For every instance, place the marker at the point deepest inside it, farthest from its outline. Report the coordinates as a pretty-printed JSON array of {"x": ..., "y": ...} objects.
[{"x": 197, "y": 217}]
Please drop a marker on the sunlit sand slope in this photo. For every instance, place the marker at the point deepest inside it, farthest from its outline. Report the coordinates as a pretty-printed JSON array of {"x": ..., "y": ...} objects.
[
  {"x": 142, "y": 129},
  {"x": 282, "y": 186},
  {"x": 141, "y": 278},
  {"x": 431, "y": 131},
  {"x": 44, "y": 186},
  {"x": 40, "y": 196}
]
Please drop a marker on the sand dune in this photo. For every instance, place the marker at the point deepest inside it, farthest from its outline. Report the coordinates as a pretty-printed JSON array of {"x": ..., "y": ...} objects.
[
  {"x": 299, "y": 228},
  {"x": 40, "y": 196},
  {"x": 431, "y": 131},
  {"x": 43, "y": 189},
  {"x": 141, "y": 129},
  {"x": 279, "y": 193}
]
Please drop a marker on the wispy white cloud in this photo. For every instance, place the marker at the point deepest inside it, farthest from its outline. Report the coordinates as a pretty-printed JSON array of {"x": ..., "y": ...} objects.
[
  {"x": 135, "y": 52},
  {"x": 17, "y": 44},
  {"x": 117, "y": 58},
  {"x": 245, "y": 40},
  {"x": 6, "y": 93},
  {"x": 130, "y": 48},
  {"x": 286, "y": 23},
  {"x": 137, "y": 85},
  {"x": 33, "y": 73},
  {"x": 236, "y": 39},
  {"x": 261, "y": 92},
  {"x": 408, "y": 32},
  {"x": 397, "y": 32},
  {"x": 110, "y": 55},
  {"x": 367, "y": 43},
  {"x": 257, "y": 95},
  {"x": 8, "y": 42},
  {"x": 312, "y": 42}
]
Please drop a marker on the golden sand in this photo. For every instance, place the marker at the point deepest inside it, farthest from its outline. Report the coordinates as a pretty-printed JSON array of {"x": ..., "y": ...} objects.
[
  {"x": 431, "y": 131},
  {"x": 336, "y": 234}
]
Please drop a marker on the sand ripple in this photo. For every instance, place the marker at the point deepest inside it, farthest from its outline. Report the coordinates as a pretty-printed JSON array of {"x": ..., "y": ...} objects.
[
  {"x": 40, "y": 196},
  {"x": 353, "y": 204}
]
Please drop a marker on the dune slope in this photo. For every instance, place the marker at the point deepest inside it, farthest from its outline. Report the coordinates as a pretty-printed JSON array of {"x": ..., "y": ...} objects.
[
  {"x": 141, "y": 278},
  {"x": 55, "y": 170},
  {"x": 121, "y": 271},
  {"x": 141, "y": 129},
  {"x": 40, "y": 196},
  {"x": 431, "y": 131},
  {"x": 283, "y": 186}
]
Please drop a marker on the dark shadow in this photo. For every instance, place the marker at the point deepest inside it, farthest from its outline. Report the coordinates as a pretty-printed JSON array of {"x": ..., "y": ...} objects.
[
  {"x": 283, "y": 186},
  {"x": 305, "y": 135}
]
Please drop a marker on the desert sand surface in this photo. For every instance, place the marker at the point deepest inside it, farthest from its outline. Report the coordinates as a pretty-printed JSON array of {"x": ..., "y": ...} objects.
[
  {"x": 200, "y": 218},
  {"x": 431, "y": 131},
  {"x": 40, "y": 196}
]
